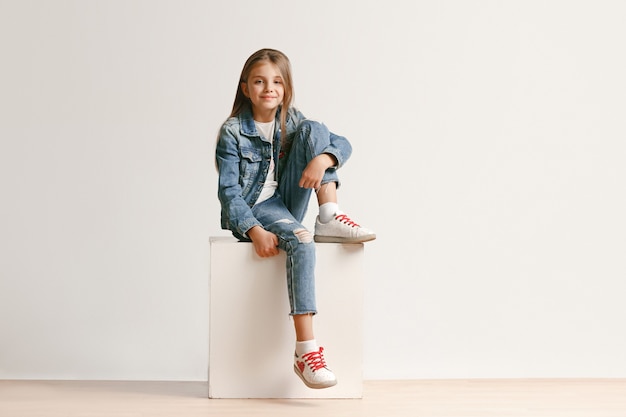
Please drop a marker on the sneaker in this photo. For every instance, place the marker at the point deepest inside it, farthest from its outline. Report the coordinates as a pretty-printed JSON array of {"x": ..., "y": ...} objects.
[
  {"x": 341, "y": 229},
  {"x": 312, "y": 370}
]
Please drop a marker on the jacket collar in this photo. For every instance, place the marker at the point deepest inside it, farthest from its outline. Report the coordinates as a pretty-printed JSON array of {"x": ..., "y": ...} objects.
[
  {"x": 247, "y": 123},
  {"x": 248, "y": 127}
]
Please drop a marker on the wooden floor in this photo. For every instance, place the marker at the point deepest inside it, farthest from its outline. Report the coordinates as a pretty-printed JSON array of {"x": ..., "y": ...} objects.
[{"x": 449, "y": 398}]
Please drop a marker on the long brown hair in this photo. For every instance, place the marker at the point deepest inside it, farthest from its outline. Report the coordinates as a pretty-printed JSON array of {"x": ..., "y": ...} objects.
[{"x": 282, "y": 62}]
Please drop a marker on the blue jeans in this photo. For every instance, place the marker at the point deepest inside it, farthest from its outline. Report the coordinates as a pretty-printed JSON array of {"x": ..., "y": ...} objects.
[{"x": 283, "y": 213}]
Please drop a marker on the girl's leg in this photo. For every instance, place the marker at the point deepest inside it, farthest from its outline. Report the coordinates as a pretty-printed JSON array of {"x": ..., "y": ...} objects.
[
  {"x": 309, "y": 141},
  {"x": 327, "y": 193},
  {"x": 303, "y": 324},
  {"x": 332, "y": 225},
  {"x": 297, "y": 242}
]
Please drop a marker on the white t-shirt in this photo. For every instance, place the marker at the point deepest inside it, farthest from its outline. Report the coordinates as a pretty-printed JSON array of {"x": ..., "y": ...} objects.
[{"x": 270, "y": 185}]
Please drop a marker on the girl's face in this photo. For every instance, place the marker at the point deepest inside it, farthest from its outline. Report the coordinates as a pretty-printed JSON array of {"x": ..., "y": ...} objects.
[{"x": 265, "y": 90}]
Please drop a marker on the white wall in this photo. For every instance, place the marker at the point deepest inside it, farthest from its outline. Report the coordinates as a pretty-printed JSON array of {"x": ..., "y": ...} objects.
[{"x": 489, "y": 157}]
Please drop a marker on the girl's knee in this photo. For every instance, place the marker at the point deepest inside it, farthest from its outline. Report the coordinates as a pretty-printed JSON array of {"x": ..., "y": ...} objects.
[
  {"x": 300, "y": 241},
  {"x": 303, "y": 236}
]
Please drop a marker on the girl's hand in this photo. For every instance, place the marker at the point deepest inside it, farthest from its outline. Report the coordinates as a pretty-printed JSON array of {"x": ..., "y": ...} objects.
[
  {"x": 265, "y": 243},
  {"x": 314, "y": 171}
]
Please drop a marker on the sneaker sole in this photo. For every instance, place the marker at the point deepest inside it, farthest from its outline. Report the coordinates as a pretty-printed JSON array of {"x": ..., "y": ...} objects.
[
  {"x": 335, "y": 239},
  {"x": 314, "y": 386}
]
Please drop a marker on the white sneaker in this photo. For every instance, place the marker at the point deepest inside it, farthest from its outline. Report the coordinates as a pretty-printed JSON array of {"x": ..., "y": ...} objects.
[
  {"x": 312, "y": 370},
  {"x": 341, "y": 230}
]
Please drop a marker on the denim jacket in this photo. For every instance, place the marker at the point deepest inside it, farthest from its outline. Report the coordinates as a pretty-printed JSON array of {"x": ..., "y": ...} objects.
[{"x": 243, "y": 161}]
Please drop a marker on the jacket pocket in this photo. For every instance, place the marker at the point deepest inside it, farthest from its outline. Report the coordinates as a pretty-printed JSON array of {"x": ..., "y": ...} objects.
[
  {"x": 249, "y": 168},
  {"x": 251, "y": 155}
]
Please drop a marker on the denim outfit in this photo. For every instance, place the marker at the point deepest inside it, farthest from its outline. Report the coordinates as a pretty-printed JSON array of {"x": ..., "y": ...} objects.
[{"x": 243, "y": 158}]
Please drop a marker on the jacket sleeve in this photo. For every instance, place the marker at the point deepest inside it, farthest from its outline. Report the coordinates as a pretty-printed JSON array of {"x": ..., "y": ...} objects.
[
  {"x": 340, "y": 148},
  {"x": 236, "y": 211}
]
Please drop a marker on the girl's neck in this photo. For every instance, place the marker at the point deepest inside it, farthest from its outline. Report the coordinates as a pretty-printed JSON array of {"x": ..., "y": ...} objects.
[{"x": 265, "y": 116}]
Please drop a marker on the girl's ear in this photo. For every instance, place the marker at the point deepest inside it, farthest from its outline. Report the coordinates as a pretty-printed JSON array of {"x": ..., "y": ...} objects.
[{"x": 244, "y": 88}]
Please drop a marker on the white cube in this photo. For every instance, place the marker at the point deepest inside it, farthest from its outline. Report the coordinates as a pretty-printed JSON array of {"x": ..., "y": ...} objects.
[{"x": 252, "y": 338}]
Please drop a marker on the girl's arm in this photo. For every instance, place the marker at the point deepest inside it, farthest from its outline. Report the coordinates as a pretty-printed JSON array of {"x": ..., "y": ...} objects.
[{"x": 238, "y": 215}]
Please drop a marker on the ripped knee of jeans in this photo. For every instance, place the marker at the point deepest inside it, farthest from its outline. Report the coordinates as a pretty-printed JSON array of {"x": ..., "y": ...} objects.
[{"x": 303, "y": 235}]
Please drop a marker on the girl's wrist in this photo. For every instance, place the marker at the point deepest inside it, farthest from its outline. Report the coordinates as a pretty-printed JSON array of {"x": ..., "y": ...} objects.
[{"x": 330, "y": 159}]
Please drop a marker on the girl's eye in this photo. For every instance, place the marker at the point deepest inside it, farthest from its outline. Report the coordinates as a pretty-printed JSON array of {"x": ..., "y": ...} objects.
[
  {"x": 258, "y": 81},
  {"x": 278, "y": 82}
]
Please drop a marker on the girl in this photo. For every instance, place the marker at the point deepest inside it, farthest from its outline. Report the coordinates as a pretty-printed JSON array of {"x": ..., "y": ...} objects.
[{"x": 270, "y": 158}]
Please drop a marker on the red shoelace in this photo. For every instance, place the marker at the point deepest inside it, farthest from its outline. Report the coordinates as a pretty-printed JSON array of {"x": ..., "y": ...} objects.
[
  {"x": 315, "y": 359},
  {"x": 345, "y": 219}
]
